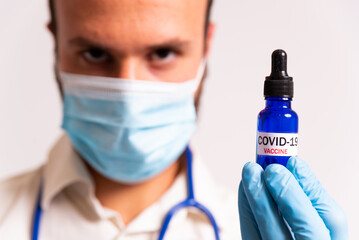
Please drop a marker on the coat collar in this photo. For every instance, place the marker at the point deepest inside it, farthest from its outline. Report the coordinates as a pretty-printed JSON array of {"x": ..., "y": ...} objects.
[{"x": 66, "y": 172}]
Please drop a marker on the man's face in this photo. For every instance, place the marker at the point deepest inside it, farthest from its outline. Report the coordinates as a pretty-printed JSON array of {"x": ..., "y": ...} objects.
[{"x": 157, "y": 40}]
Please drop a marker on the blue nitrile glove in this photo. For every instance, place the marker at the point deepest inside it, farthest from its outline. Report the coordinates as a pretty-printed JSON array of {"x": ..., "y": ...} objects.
[{"x": 293, "y": 193}]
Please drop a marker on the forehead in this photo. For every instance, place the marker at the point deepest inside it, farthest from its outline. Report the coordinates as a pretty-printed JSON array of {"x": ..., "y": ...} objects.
[{"x": 131, "y": 19}]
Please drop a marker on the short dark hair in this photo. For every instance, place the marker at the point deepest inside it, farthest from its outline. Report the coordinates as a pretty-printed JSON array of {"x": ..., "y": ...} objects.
[{"x": 53, "y": 24}]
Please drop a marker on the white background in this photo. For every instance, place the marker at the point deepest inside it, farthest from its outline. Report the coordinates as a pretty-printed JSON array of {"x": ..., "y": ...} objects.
[{"x": 321, "y": 38}]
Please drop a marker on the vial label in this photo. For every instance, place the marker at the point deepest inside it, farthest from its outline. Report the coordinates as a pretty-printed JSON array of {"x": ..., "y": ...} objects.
[{"x": 277, "y": 144}]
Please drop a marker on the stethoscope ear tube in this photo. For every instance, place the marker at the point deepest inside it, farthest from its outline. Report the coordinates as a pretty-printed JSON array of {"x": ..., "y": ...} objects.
[{"x": 189, "y": 202}]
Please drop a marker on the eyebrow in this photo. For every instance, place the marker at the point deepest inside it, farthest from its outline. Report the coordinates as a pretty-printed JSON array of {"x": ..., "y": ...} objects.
[
  {"x": 80, "y": 41},
  {"x": 171, "y": 43}
]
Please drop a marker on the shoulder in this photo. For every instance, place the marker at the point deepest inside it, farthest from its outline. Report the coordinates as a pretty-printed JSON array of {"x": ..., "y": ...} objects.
[
  {"x": 20, "y": 181},
  {"x": 227, "y": 211},
  {"x": 220, "y": 200},
  {"x": 20, "y": 188}
]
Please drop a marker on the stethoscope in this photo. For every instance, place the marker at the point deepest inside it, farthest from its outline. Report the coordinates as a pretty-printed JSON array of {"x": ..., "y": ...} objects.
[{"x": 190, "y": 201}]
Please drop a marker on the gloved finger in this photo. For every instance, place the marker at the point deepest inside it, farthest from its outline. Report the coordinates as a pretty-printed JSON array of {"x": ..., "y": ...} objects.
[
  {"x": 293, "y": 203},
  {"x": 249, "y": 227},
  {"x": 331, "y": 213},
  {"x": 270, "y": 223}
]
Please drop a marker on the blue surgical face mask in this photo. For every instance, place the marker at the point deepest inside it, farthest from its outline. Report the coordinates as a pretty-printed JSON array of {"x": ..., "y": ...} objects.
[{"x": 128, "y": 130}]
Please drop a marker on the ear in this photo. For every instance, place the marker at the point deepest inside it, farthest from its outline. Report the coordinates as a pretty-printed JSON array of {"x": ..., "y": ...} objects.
[
  {"x": 210, "y": 33},
  {"x": 50, "y": 28}
]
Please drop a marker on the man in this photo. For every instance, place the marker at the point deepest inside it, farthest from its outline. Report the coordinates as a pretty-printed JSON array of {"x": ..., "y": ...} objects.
[{"x": 130, "y": 73}]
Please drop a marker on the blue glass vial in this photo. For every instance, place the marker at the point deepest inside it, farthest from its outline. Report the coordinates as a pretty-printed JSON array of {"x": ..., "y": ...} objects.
[{"x": 277, "y": 130}]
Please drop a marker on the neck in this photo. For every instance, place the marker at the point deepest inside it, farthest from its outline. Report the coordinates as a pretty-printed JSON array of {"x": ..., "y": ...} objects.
[
  {"x": 278, "y": 102},
  {"x": 130, "y": 200}
]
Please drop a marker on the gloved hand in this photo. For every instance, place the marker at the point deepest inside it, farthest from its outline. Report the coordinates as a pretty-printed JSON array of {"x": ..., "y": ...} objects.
[{"x": 294, "y": 194}]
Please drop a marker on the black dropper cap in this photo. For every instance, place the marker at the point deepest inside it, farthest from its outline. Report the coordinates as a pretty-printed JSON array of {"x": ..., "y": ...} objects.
[{"x": 279, "y": 84}]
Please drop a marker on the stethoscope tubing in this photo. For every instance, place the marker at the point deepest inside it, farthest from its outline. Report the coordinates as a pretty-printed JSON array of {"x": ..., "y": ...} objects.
[
  {"x": 37, "y": 217},
  {"x": 190, "y": 201}
]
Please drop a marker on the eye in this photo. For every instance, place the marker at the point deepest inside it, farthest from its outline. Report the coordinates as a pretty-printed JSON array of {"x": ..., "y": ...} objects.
[
  {"x": 96, "y": 55},
  {"x": 162, "y": 55}
]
